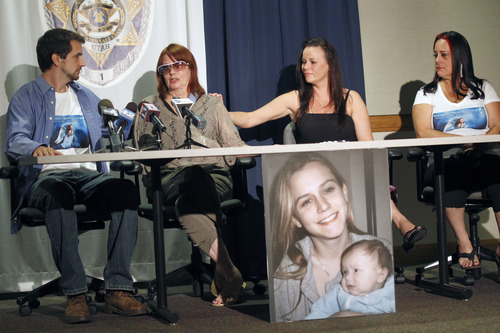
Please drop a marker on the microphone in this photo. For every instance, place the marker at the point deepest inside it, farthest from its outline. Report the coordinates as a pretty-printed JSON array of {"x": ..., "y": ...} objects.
[
  {"x": 182, "y": 106},
  {"x": 124, "y": 123},
  {"x": 150, "y": 112},
  {"x": 110, "y": 114}
]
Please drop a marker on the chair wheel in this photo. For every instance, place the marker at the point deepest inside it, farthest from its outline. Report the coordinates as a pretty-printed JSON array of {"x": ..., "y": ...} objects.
[
  {"x": 197, "y": 288},
  {"x": 469, "y": 280},
  {"x": 469, "y": 277},
  {"x": 24, "y": 310},
  {"x": 99, "y": 297},
  {"x": 92, "y": 309},
  {"x": 259, "y": 289},
  {"x": 400, "y": 278},
  {"x": 140, "y": 298},
  {"x": 152, "y": 292},
  {"x": 34, "y": 303},
  {"x": 476, "y": 273}
]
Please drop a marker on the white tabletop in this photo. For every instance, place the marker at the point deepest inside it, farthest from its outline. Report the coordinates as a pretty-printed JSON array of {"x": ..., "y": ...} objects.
[{"x": 260, "y": 150}]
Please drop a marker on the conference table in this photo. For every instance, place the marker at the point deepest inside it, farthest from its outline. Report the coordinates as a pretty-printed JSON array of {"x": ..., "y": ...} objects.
[{"x": 157, "y": 158}]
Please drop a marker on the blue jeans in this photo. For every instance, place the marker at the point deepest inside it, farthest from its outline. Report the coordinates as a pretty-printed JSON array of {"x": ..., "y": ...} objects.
[{"x": 57, "y": 193}]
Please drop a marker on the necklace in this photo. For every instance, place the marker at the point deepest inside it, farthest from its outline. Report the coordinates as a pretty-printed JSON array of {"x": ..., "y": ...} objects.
[
  {"x": 321, "y": 265},
  {"x": 317, "y": 100}
]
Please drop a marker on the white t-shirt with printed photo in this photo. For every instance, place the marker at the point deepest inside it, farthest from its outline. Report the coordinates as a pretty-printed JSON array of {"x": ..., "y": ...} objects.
[
  {"x": 70, "y": 133},
  {"x": 467, "y": 117}
]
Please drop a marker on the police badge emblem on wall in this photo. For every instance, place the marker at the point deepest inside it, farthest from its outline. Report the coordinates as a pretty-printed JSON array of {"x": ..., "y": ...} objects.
[{"x": 115, "y": 31}]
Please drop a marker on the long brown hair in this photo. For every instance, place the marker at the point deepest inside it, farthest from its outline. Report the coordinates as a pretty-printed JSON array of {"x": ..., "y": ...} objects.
[
  {"x": 179, "y": 53},
  {"x": 463, "y": 68},
  {"x": 335, "y": 81}
]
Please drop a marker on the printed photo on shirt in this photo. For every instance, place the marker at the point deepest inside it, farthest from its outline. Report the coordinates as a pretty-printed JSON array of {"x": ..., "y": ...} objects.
[
  {"x": 69, "y": 132},
  {"x": 471, "y": 121}
]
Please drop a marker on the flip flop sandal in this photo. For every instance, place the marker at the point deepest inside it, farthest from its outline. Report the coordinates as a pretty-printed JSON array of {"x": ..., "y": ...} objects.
[{"x": 231, "y": 300}]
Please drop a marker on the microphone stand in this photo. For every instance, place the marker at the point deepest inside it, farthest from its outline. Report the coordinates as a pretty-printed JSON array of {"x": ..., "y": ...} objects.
[
  {"x": 157, "y": 133},
  {"x": 188, "y": 142},
  {"x": 124, "y": 145}
]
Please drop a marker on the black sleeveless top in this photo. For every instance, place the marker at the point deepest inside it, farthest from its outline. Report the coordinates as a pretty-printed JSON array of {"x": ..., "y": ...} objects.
[{"x": 320, "y": 127}]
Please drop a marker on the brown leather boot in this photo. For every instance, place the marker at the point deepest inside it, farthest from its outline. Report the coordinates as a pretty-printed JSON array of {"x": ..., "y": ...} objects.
[
  {"x": 123, "y": 303},
  {"x": 77, "y": 310}
]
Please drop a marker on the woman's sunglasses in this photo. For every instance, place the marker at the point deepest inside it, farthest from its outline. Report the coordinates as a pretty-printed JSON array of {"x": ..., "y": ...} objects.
[{"x": 178, "y": 66}]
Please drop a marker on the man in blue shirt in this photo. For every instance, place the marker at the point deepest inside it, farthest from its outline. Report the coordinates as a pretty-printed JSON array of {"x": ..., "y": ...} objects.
[{"x": 54, "y": 115}]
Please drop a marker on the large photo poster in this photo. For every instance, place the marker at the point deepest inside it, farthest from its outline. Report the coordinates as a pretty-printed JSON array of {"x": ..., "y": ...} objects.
[{"x": 328, "y": 234}]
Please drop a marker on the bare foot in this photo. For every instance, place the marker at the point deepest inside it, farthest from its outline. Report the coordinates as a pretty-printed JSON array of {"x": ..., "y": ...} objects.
[
  {"x": 230, "y": 290},
  {"x": 405, "y": 228}
]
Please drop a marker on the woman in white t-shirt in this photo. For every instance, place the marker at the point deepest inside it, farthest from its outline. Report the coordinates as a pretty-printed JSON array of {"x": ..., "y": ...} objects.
[{"x": 456, "y": 102}]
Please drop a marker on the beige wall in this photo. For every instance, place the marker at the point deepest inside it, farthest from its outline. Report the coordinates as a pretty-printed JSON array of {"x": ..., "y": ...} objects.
[{"x": 397, "y": 38}]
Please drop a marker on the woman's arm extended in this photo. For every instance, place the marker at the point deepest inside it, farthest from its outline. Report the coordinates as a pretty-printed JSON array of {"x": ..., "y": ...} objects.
[{"x": 283, "y": 105}]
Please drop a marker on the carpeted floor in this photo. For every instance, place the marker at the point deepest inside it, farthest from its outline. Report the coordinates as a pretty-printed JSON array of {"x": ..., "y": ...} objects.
[{"x": 417, "y": 311}]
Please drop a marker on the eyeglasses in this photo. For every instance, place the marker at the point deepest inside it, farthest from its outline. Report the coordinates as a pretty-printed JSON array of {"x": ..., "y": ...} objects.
[{"x": 178, "y": 66}]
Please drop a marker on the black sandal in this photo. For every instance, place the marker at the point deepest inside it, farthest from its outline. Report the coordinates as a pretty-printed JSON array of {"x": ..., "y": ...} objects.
[
  {"x": 469, "y": 256},
  {"x": 413, "y": 236}
]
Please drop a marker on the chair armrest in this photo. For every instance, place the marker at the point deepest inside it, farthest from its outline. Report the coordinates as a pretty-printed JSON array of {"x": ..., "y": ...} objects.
[
  {"x": 419, "y": 156},
  {"x": 129, "y": 167},
  {"x": 239, "y": 176},
  {"x": 415, "y": 154},
  {"x": 245, "y": 163},
  {"x": 9, "y": 172},
  {"x": 395, "y": 154}
]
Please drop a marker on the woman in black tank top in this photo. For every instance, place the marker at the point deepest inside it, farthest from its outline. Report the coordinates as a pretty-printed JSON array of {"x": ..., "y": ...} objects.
[
  {"x": 323, "y": 110},
  {"x": 321, "y": 127}
]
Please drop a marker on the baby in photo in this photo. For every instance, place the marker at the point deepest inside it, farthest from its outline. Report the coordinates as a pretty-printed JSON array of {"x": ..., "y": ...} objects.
[{"x": 367, "y": 285}]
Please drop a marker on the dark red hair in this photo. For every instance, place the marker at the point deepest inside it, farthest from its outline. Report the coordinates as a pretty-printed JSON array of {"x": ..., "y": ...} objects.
[{"x": 179, "y": 53}]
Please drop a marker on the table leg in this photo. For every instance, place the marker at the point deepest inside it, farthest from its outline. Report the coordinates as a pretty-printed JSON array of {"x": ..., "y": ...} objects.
[
  {"x": 442, "y": 287},
  {"x": 159, "y": 247}
]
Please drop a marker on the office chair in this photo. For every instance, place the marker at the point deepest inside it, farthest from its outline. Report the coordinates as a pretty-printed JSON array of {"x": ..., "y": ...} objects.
[
  {"x": 201, "y": 272},
  {"x": 87, "y": 220},
  {"x": 289, "y": 138},
  {"x": 476, "y": 203}
]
